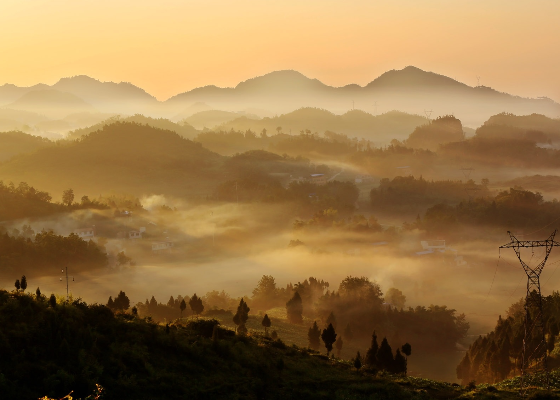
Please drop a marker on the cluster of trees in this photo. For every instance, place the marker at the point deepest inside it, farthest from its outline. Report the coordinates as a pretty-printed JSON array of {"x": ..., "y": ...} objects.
[
  {"x": 406, "y": 192},
  {"x": 47, "y": 250},
  {"x": 121, "y": 302},
  {"x": 443, "y": 129},
  {"x": 329, "y": 218},
  {"x": 380, "y": 357},
  {"x": 498, "y": 355},
  {"x": 515, "y": 208}
]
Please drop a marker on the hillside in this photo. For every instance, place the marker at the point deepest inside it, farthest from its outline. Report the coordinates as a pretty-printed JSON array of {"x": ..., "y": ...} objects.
[
  {"x": 442, "y": 130},
  {"x": 14, "y": 143},
  {"x": 183, "y": 129},
  {"x": 380, "y": 129},
  {"x": 51, "y": 103},
  {"x": 532, "y": 127},
  {"x": 212, "y": 118},
  {"x": 133, "y": 158}
]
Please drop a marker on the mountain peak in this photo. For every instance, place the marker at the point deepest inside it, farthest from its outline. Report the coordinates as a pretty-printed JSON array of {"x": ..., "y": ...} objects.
[
  {"x": 412, "y": 76},
  {"x": 280, "y": 80}
]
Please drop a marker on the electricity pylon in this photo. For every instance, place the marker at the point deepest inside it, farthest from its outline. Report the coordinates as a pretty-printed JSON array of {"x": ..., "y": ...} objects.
[{"x": 533, "y": 358}]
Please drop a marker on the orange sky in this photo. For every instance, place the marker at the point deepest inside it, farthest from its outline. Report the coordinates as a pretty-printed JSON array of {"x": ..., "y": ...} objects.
[{"x": 170, "y": 46}]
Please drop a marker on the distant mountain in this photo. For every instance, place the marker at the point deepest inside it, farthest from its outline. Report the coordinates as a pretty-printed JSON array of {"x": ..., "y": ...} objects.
[
  {"x": 410, "y": 90},
  {"x": 212, "y": 118},
  {"x": 51, "y": 103},
  {"x": 380, "y": 129},
  {"x": 16, "y": 143},
  {"x": 123, "y": 156},
  {"x": 535, "y": 127}
]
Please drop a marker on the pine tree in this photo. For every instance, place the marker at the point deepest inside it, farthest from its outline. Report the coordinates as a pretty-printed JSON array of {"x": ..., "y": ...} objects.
[
  {"x": 196, "y": 305},
  {"x": 38, "y": 294},
  {"x": 122, "y": 302},
  {"x": 348, "y": 333},
  {"x": 182, "y": 307},
  {"x": 152, "y": 306},
  {"x": 52, "y": 301},
  {"x": 371, "y": 355},
  {"x": 171, "y": 302},
  {"x": 329, "y": 337},
  {"x": 358, "y": 361},
  {"x": 110, "y": 303},
  {"x": 23, "y": 283},
  {"x": 331, "y": 319},
  {"x": 314, "y": 335},
  {"x": 294, "y": 309},
  {"x": 266, "y": 323},
  {"x": 17, "y": 285},
  {"x": 338, "y": 344},
  {"x": 241, "y": 316},
  {"x": 385, "y": 356}
]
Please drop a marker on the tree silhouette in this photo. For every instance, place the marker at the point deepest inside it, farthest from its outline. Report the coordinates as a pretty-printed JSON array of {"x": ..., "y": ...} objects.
[
  {"x": 385, "y": 356},
  {"x": 17, "y": 285},
  {"x": 111, "y": 303},
  {"x": 406, "y": 349},
  {"x": 358, "y": 361},
  {"x": 52, "y": 300},
  {"x": 196, "y": 305},
  {"x": 134, "y": 311},
  {"x": 371, "y": 355},
  {"x": 122, "y": 302},
  {"x": 241, "y": 316},
  {"x": 68, "y": 197},
  {"x": 329, "y": 337},
  {"x": 23, "y": 283},
  {"x": 399, "y": 366},
  {"x": 171, "y": 302},
  {"x": 266, "y": 323},
  {"x": 314, "y": 335},
  {"x": 182, "y": 306},
  {"x": 338, "y": 344},
  {"x": 38, "y": 293},
  {"x": 294, "y": 309}
]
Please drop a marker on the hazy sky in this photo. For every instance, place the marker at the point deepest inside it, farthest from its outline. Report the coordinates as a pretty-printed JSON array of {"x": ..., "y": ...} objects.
[{"x": 170, "y": 46}]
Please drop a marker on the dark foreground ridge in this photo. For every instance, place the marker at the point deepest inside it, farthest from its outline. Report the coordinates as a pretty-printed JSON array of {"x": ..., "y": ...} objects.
[{"x": 53, "y": 348}]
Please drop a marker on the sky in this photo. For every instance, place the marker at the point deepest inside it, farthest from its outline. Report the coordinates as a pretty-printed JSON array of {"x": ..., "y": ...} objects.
[{"x": 171, "y": 46}]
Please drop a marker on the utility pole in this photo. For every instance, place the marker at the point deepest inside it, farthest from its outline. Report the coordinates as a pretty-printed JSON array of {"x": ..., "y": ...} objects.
[
  {"x": 534, "y": 358},
  {"x": 66, "y": 270}
]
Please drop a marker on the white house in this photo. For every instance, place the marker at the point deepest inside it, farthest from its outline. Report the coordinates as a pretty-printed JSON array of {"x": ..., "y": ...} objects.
[{"x": 85, "y": 233}]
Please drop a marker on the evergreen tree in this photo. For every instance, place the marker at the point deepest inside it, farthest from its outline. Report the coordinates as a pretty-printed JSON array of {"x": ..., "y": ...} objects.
[
  {"x": 122, "y": 302},
  {"x": 348, "y": 333},
  {"x": 38, "y": 293},
  {"x": 182, "y": 307},
  {"x": 314, "y": 335},
  {"x": 17, "y": 285},
  {"x": 152, "y": 305},
  {"x": 266, "y": 323},
  {"x": 399, "y": 366},
  {"x": 110, "y": 303},
  {"x": 196, "y": 305},
  {"x": 385, "y": 356},
  {"x": 23, "y": 283},
  {"x": 464, "y": 369},
  {"x": 171, "y": 302},
  {"x": 329, "y": 337},
  {"x": 338, "y": 344},
  {"x": 358, "y": 361},
  {"x": 331, "y": 319},
  {"x": 371, "y": 355},
  {"x": 52, "y": 301},
  {"x": 241, "y": 316},
  {"x": 294, "y": 309}
]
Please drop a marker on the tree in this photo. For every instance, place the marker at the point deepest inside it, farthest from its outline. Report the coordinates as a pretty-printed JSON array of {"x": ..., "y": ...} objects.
[
  {"x": 38, "y": 293},
  {"x": 68, "y": 197},
  {"x": 265, "y": 293},
  {"x": 329, "y": 337},
  {"x": 134, "y": 311},
  {"x": 399, "y": 366},
  {"x": 266, "y": 323},
  {"x": 110, "y": 303},
  {"x": 294, "y": 309},
  {"x": 358, "y": 361},
  {"x": 338, "y": 344},
  {"x": 406, "y": 349},
  {"x": 122, "y": 302},
  {"x": 171, "y": 302},
  {"x": 123, "y": 259},
  {"x": 331, "y": 319},
  {"x": 196, "y": 305},
  {"x": 52, "y": 301},
  {"x": 371, "y": 355},
  {"x": 17, "y": 285},
  {"x": 182, "y": 306},
  {"x": 395, "y": 297},
  {"x": 274, "y": 335},
  {"x": 385, "y": 356},
  {"x": 348, "y": 333},
  {"x": 314, "y": 335},
  {"x": 278, "y": 129},
  {"x": 241, "y": 316},
  {"x": 23, "y": 283}
]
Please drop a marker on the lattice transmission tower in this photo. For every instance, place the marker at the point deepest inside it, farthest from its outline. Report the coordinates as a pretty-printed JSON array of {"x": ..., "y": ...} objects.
[{"x": 534, "y": 358}]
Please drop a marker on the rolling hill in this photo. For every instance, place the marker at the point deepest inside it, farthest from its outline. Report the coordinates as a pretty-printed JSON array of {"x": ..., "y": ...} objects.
[
  {"x": 51, "y": 103},
  {"x": 15, "y": 143},
  {"x": 213, "y": 118},
  {"x": 123, "y": 156}
]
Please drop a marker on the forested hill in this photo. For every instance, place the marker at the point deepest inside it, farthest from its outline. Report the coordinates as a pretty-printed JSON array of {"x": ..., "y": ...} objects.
[
  {"x": 14, "y": 143},
  {"x": 132, "y": 157}
]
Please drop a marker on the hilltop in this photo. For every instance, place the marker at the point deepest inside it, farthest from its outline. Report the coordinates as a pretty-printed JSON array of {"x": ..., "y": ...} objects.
[
  {"x": 125, "y": 155},
  {"x": 14, "y": 143}
]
